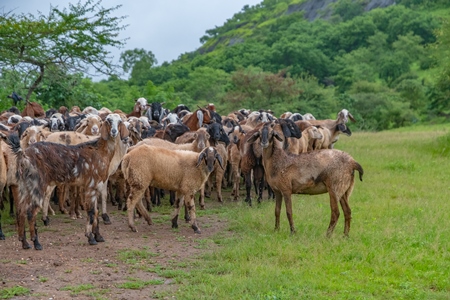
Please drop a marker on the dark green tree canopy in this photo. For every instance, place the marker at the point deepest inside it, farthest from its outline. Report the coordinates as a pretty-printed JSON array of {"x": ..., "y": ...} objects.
[{"x": 74, "y": 39}]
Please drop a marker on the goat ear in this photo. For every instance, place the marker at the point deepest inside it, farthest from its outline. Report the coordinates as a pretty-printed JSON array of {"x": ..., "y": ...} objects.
[
  {"x": 200, "y": 158},
  {"x": 219, "y": 158},
  {"x": 351, "y": 117},
  {"x": 253, "y": 137},
  {"x": 286, "y": 130},
  {"x": 123, "y": 130},
  {"x": 104, "y": 131},
  {"x": 200, "y": 117},
  {"x": 3, "y": 136},
  {"x": 277, "y": 136}
]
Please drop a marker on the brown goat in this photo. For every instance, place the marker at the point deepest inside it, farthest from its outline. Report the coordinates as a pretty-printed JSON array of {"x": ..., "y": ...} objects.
[
  {"x": 335, "y": 127},
  {"x": 317, "y": 172},
  {"x": 188, "y": 172},
  {"x": 198, "y": 118},
  {"x": 84, "y": 165}
]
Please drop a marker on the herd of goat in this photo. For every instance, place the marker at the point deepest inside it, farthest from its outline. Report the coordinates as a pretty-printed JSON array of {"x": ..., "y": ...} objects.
[{"x": 84, "y": 158}]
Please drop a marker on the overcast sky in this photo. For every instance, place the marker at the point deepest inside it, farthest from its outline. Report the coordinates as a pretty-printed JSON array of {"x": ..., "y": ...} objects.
[{"x": 168, "y": 28}]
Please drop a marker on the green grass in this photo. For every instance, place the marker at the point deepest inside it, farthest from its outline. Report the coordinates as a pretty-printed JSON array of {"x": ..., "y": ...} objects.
[
  {"x": 137, "y": 284},
  {"x": 9, "y": 293},
  {"x": 398, "y": 244}
]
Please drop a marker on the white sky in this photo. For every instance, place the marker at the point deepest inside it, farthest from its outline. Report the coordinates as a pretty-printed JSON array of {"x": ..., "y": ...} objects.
[{"x": 168, "y": 28}]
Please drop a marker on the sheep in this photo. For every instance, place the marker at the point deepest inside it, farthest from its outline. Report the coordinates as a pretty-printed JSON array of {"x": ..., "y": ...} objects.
[
  {"x": 335, "y": 126},
  {"x": 326, "y": 171},
  {"x": 84, "y": 165},
  {"x": 144, "y": 165}
]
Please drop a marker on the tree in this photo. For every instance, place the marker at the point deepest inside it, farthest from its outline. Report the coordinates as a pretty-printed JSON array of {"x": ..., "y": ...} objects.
[
  {"x": 440, "y": 95},
  {"x": 139, "y": 62},
  {"x": 252, "y": 88},
  {"x": 73, "y": 39}
]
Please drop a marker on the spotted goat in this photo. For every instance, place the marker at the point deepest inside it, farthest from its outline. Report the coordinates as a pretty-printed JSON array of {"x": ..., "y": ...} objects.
[{"x": 85, "y": 165}]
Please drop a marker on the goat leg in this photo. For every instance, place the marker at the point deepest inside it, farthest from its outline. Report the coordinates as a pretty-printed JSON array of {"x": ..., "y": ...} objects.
[
  {"x": 278, "y": 202},
  {"x": 20, "y": 220},
  {"x": 143, "y": 212},
  {"x": 32, "y": 213},
  {"x": 176, "y": 212},
  {"x": 135, "y": 196},
  {"x": 97, "y": 235},
  {"x": 11, "y": 202},
  {"x": 288, "y": 203},
  {"x": 248, "y": 187},
  {"x": 190, "y": 204},
  {"x": 89, "y": 232},
  {"x": 103, "y": 197},
  {"x": 187, "y": 217}
]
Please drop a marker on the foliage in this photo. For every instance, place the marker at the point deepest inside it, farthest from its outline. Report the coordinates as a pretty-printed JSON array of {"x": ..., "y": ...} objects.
[
  {"x": 440, "y": 95},
  {"x": 269, "y": 56},
  {"x": 65, "y": 41}
]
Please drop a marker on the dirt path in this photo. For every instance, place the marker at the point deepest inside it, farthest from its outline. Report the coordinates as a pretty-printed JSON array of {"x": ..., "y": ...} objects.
[{"x": 127, "y": 266}]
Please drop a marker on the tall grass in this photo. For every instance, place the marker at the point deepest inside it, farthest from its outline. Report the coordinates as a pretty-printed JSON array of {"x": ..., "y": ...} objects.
[{"x": 399, "y": 240}]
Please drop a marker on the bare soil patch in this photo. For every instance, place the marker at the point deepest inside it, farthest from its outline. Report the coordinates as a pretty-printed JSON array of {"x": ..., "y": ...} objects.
[{"x": 68, "y": 261}]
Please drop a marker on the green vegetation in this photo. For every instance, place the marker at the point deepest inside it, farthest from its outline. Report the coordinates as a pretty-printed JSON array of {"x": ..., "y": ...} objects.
[
  {"x": 398, "y": 244},
  {"x": 137, "y": 284},
  {"x": 8, "y": 293},
  {"x": 389, "y": 66}
]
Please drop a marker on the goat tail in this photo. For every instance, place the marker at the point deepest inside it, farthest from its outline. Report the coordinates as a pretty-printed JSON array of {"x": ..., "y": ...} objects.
[
  {"x": 125, "y": 167},
  {"x": 358, "y": 167},
  {"x": 23, "y": 163}
]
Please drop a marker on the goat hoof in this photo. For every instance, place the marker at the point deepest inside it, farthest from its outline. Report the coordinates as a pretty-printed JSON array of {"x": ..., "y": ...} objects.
[
  {"x": 106, "y": 219},
  {"x": 99, "y": 239},
  {"x": 202, "y": 207},
  {"x": 196, "y": 230},
  {"x": 2, "y": 237},
  {"x": 46, "y": 221},
  {"x": 73, "y": 217},
  {"x": 25, "y": 245},
  {"x": 37, "y": 246},
  {"x": 91, "y": 240},
  {"x": 134, "y": 229},
  {"x": 64, "y": 211}
]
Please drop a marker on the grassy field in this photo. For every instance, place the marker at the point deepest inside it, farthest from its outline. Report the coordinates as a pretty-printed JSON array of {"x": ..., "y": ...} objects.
[
  {"x": 399, "y": 240},
  {"x": 398, "y": 246}
]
